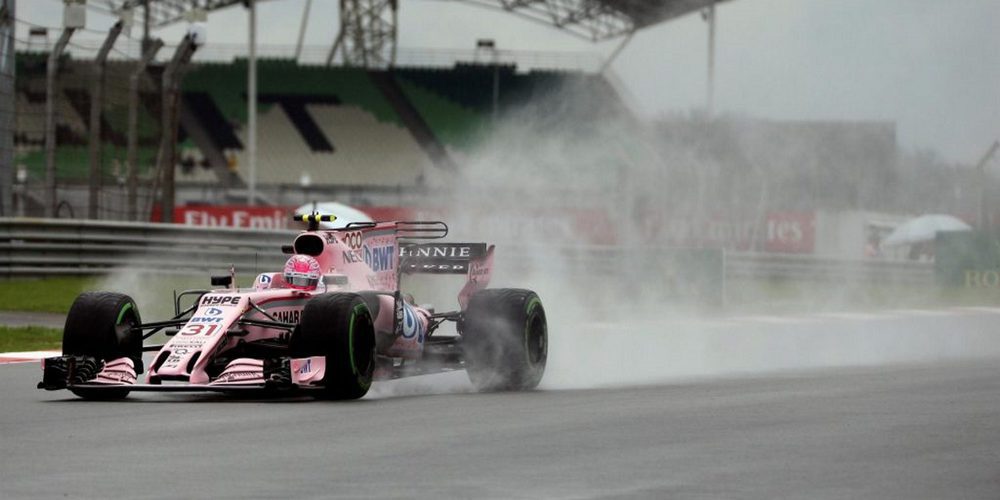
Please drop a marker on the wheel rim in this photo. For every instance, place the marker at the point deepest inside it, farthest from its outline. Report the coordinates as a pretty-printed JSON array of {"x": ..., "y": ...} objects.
[
  {"x": 361, "y": 344},
  {"x": 535, "y": 340}
]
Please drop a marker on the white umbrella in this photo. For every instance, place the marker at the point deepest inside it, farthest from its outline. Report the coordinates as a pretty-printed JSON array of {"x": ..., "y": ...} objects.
[{"x": 924, "y": 228}]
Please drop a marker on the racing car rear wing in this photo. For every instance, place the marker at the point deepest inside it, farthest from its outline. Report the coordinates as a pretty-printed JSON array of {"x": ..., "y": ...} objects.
[
  {"x": 421, "y": 230},
  {"x": 412, "y": 230},
  {"x": 440, "y": 258}
]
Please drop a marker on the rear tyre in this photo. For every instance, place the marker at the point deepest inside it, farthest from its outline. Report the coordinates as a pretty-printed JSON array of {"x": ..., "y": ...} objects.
[
  {"x": 505, "y": 339},
  {"x": 338, "y": 326},
  {"x": 100, "y": 324}
]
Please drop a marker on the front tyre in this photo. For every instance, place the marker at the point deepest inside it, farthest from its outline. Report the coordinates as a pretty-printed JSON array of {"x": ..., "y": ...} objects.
[
  {"x": 103, "y": 325},
  {"x": 505, "y": 339},
  {"x": 338, "y": 326}
]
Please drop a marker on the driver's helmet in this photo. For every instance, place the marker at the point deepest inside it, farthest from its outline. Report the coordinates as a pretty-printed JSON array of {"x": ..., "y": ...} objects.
[{"x": 302, "y": 272}]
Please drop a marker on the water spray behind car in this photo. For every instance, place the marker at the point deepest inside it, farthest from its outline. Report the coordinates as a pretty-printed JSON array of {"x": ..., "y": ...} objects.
[{"x": 593, "y": 203}]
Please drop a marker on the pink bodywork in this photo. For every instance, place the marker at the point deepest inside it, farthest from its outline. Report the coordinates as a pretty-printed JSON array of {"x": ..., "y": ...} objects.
[{"x": 355, "y": 260}]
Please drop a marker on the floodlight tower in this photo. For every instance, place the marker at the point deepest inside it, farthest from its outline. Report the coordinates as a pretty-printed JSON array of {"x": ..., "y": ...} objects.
[{"x": 367, "y": 35}]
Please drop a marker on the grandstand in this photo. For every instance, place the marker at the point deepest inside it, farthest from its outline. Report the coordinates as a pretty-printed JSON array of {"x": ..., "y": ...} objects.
[
  {"x": 319, "y": 127},
  {"x": 367, "y": 126}
]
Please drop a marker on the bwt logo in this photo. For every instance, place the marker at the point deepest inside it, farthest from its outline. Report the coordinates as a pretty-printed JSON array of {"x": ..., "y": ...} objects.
[
  {"x": 380, "y": 258},
  {"x": 306, "y": 367},
  {"x": 199, "y": 319}
]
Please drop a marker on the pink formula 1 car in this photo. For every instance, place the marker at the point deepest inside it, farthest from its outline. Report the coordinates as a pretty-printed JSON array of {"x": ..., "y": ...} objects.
[{"x": 332, "y": 322}]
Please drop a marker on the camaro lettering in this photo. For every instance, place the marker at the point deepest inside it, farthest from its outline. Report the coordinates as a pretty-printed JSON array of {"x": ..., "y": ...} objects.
[
  {"x": 290, "y": 316},
  {"x": 220, "y": 300},
  {"x": 379, "y": 258}
]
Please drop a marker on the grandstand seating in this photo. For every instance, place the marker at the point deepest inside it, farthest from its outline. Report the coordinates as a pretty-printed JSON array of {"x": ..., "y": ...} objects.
[
  {"x": 73, "y": 162},
  {"x": 306, "y": 125},
  {"x": 220, "y": 131},
  {"x": 335, "y": 125},
  {"x": 455, "y": 125},
  {"x": 30, "y": 121},
  {"x": 226, "y": 83},
  {"x": 367, "y": 152}
]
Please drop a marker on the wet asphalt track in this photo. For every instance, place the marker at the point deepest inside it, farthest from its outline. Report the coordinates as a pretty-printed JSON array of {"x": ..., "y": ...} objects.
[{"x": 914, "y": 432}]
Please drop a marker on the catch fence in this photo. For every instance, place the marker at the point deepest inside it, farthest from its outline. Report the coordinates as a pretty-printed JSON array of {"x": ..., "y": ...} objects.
[{"x": 39, "y": 247}]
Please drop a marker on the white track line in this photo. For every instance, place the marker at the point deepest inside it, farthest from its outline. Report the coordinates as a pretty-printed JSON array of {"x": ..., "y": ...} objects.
[
  {"x": 853, "y": 316},
  {"x": 970, "y": 309},
  {"x": 26, "y": 357},
  {"x": 921, "y": 312},
  {"x": 776, "y": 320}
]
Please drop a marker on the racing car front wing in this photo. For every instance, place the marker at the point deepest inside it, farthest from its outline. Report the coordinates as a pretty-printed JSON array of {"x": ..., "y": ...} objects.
[{"x": 276, "y": 374}]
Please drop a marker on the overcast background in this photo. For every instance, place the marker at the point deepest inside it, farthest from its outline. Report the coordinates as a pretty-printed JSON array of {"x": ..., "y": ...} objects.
[{"x": 931, "y": 66}]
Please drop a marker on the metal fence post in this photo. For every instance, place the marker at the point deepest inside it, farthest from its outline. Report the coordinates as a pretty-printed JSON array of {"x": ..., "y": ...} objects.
[
  {"x": 134, "y": 82},
  {"x": 50, "y": 121},
  {"x": 168, "y": 143},
  {"x": 8, "y": 122},
  {"x": 96, "y": 105}
]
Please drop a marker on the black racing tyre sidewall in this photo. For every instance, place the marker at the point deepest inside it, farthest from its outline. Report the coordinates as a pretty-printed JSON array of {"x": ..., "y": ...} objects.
[
  {"x": 99, "y": 324},
  {"x": 505, "y": 339},
  {"x": 340, "y": 327}
]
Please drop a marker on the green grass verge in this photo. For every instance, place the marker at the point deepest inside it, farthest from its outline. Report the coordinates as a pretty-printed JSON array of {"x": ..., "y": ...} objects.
[
  {"x": 53, "y": 295},
  {"x": 29, "y": 338},
  {"x": 153, "y": 293}
]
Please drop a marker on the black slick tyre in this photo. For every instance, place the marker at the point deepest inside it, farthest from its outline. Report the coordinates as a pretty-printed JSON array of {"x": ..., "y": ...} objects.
[
  {"x": 101, "y": 325},
  {"x": 505, "y": 339},
  {"x": 338, "y": 326}
]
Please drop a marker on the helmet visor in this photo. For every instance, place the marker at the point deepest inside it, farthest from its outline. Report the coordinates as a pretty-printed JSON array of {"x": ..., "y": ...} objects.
[{"x": 302, "y": 281}]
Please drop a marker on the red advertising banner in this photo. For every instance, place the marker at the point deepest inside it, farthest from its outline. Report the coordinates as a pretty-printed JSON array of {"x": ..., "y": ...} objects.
[
  {"x": 790, "y": 232},
  {"x": 515, "y": 225},
  {"x": 781, "y": 232},
  {"x": 253, "y": 217}
]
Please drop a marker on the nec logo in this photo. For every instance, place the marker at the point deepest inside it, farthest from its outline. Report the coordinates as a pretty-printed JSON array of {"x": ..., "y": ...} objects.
[{"x": 220, "y": 300}]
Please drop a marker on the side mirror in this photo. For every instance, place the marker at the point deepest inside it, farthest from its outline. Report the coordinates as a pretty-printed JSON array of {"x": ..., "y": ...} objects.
[
  {"x": 222, "y": 280},
  {"x": 287, "y": 249}
]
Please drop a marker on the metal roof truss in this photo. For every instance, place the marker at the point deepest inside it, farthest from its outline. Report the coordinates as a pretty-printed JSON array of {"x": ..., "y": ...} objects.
[{"x": 590, "y": 19}]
